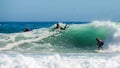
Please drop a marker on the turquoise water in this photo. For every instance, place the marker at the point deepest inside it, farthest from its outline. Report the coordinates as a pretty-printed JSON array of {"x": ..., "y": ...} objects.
[{"x": 74, "y": 47}]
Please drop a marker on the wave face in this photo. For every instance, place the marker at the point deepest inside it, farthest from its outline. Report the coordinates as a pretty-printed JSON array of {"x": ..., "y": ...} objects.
[{"x": 76, "y": 38}]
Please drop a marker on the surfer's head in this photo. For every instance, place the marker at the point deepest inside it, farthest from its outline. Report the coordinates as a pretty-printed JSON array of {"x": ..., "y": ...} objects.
[
  {"x": 97, "y": 39},
  {"x": 57, "y": 24}
]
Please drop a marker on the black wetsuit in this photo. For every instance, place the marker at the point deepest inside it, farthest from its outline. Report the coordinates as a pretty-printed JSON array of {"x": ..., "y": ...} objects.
[
  {"x": 59, "y": 27},
  {"x": 100, "y": 44},
  {"x": 26, "y": 30}
]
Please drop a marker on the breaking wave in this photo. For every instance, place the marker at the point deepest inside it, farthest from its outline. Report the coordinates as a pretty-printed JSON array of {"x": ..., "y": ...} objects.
[{"x": 77, "y": 37}]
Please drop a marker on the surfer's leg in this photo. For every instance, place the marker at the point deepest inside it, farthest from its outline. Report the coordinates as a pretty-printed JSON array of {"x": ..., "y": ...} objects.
[
  {"x": 65, "y": 27},
  {"x": 98, "y": 47},
  {"x": 102, "y": 47}
]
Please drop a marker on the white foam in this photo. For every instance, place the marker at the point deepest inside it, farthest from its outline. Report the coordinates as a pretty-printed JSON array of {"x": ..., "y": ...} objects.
[
  {"x": 58, "y": 61},
  {"x": 27, "y": 37}
]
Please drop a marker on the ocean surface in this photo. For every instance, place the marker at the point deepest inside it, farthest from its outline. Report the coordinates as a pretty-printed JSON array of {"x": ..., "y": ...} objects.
[{"x": 45, "y": 47}]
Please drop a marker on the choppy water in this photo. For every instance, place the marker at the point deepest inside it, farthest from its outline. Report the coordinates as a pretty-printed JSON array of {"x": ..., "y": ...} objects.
[{"x": 44, "y": 47}]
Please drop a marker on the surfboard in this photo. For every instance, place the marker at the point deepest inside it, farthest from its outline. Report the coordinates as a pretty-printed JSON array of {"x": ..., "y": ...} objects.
[{"x": 99, "y": 51}]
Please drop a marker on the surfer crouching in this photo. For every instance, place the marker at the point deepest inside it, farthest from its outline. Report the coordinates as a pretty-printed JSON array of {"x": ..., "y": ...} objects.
[
  {"x": 59, "y": 27},
  {"x": 99, "y": 43}
]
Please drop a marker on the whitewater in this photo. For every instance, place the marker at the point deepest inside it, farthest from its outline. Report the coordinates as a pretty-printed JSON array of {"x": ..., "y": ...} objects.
[{"x": 74, "y": 47}]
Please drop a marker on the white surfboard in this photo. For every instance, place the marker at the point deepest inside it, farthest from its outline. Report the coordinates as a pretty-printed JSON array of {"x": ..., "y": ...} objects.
[{"x": 99, "y": 51}]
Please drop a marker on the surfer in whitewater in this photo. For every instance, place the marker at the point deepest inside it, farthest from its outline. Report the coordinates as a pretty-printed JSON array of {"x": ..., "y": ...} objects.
[
  {"x": 100, "y": 43},
  {"x": 59, "y": 27},
  {"x": 26, "y": 29}
]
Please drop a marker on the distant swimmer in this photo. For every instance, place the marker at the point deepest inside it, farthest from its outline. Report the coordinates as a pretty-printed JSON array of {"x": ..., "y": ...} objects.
[
  {"x": 26, "y": 29},
  {"x": 100, "y": 43},
  {"x": 59, "y": 27}
]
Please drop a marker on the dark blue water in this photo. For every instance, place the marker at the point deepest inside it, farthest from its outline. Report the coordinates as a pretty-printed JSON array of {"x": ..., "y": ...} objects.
[{"x": 14, "y": 27}]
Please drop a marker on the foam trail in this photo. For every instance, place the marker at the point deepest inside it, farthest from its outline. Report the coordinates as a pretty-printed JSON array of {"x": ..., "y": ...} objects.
[{"x": 43, "y": 35}]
